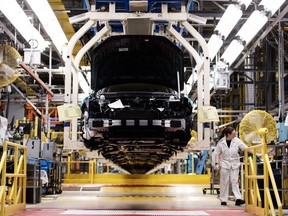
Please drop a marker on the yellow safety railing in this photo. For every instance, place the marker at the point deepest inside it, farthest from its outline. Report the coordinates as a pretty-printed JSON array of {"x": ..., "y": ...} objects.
[
  {"x": 3, "y": 182},
  {"x": 92, "y": 169},
  {"x": 74, "y": 170},
  {"x": 75, "y": 174},
  {"x": 13, "y": 198},
  {"x": 253, "y": 201}
]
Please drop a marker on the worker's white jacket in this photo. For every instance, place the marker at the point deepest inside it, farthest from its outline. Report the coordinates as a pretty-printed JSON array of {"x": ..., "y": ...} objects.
[{"x": 229, "y": 157}]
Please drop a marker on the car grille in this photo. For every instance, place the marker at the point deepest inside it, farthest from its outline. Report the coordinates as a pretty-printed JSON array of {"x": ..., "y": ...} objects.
[{"x": 135, "y": 114}]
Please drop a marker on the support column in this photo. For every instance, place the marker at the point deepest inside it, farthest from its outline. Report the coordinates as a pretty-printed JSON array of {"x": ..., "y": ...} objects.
[
  {"x": 68, "y": 73},
  {"x": 203, "y": 85},
  {"x": 249, "y": 88}
]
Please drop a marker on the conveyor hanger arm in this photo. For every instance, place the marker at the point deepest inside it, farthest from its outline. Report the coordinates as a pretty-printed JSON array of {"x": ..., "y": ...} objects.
[{"x": 165, "y": 17}]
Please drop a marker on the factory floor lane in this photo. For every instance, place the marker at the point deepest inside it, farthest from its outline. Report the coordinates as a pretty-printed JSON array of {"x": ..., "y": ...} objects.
[{"x": 140, "y": 200}]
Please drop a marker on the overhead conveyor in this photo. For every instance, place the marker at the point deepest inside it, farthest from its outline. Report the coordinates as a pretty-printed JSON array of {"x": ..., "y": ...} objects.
[{"x": 165, "y": 18}]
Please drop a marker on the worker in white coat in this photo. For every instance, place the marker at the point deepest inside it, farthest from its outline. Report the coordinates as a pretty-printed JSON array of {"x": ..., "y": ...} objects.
[{"x": 227, "y": 159}]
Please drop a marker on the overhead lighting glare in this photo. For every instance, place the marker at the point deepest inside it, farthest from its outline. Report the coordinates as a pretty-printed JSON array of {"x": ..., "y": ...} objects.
[
  {"x": 14, "y": 13},
  {"x": 214, "y": 44},
  {"x": 50, "y": 22},
  {"x": 272, "y": 5},
  {"x": 51, "y": 25},
  {"x": 245, "y": 2},
  {"x": 232, "y": 51},
  {"x": 252, "y": 26},
  {"x": 229, "y": 19},
  {"x": 231, "y": 16},
  {"x": 247, "y": 32}
]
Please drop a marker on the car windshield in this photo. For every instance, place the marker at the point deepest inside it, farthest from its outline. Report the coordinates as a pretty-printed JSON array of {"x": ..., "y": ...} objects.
[{"x": 137, "y": 59}]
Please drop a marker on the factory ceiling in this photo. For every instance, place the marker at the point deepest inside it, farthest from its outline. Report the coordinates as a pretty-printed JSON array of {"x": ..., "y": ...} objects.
[{"x": 65, "y": 10}]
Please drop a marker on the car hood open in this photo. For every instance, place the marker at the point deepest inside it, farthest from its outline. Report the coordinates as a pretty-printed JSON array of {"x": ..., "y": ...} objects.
[{"x": 137, "y": 59}]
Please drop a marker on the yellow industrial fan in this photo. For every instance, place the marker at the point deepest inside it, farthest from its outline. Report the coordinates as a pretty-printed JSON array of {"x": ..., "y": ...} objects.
[
  {"x": 251, "y": 124},
  {"x": 9, "y": 61}
]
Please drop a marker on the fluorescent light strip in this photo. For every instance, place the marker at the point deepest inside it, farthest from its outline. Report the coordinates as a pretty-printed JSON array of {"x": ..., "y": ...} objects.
[
  {"x": 245, "y": 2},
  {"x": 249, "y": 30},
  {"x": 232, "y": 51},
  {"x": 230, "y": 18},
  {"x": 214, "y": 45},
  {"x": 272, "y": 5},
  {"x": 252, "y": 26},
  {"x": 53, "y": 28},
  {"x": 21, "y": 22},
  {"x": 50, "y": 22}
]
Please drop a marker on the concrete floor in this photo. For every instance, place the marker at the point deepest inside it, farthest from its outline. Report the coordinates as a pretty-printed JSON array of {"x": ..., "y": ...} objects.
[{"x": 113, "y": 200}]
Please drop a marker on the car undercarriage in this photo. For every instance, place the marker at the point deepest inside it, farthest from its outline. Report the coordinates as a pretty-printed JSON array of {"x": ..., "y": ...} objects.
[{"x": 137, "y": 120}]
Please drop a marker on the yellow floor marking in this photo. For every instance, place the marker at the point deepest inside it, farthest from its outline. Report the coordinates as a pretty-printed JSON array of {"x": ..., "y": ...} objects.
[{"x": 136, "y": 189}]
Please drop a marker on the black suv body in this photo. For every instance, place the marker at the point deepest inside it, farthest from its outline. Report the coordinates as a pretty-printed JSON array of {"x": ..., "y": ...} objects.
[{"x": 136, "y": 116}]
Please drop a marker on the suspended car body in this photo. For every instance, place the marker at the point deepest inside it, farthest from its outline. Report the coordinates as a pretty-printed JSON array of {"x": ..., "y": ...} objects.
[{"x": 136, "y": 116}]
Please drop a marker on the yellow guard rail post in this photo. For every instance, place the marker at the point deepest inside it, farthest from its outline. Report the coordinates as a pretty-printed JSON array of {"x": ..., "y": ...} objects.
[
  {"x": 252, "y": 195},
  {"x": 91, "y": 171},
  {"x": 15, "y": 200}
]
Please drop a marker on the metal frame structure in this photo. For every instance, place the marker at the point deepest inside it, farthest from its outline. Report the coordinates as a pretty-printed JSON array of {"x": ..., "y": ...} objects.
[{"x": 180, "y": 18}]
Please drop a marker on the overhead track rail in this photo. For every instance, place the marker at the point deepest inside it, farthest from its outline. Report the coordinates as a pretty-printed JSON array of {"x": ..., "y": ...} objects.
[{"x": 168, "y": 18}]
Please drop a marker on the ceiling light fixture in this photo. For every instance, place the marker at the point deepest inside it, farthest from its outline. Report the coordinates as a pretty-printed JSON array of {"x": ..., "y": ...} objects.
[
  {"x": 14, "y": 13},
  {"x": 230, "y": 18},
  {"x": 250, "y": 29},
  {"x": 53, "y": 28},
  {"x": 50, "y": 22},
  {"x": 232, "y": 51},
  {"x": 246, "y": 3},
  {"x": 272, "y": 6},
  {"x": 214, "y": 45},
  {"x": 252, "y": 26}
]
